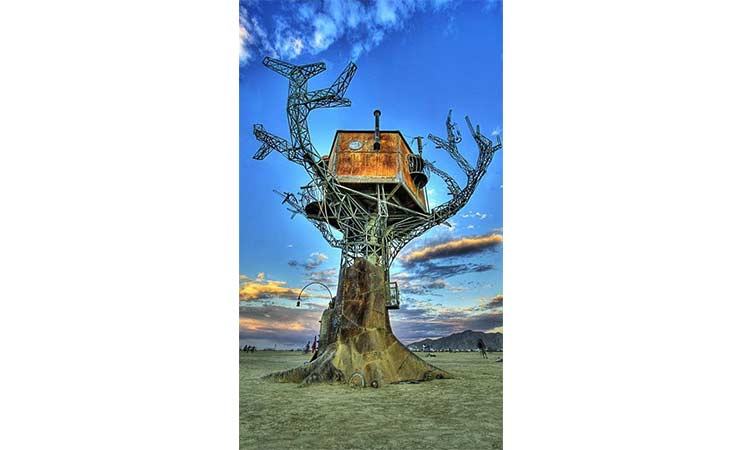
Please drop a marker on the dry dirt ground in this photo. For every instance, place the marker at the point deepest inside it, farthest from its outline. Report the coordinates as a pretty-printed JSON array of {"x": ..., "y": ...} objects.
[{"x": 461, "y": 413}]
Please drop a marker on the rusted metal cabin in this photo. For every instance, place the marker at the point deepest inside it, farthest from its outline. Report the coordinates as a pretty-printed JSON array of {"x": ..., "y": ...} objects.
[{"x": 363, "y": 159}]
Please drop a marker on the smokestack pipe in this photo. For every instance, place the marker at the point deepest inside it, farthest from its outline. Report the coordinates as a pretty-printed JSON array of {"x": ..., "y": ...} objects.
[{"x": 376, "y": 145}]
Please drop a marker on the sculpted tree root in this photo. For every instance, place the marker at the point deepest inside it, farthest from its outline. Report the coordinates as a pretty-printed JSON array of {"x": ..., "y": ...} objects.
[{"x": 357, "y": 344}]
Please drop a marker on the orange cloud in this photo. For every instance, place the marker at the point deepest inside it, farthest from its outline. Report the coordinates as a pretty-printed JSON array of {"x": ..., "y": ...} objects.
[
  {"x": 497, "y": 301},
  {"x": 457, "y": 247},
  {"x": 248, "y": 323},
  {"x": 262, "y": 289}
]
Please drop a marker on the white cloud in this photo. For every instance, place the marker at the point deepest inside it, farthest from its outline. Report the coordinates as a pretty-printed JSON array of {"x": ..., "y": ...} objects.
[
  {"x": 386, "y": 11},
  {"x": 476, "y": 214},
  {"x": 246, "y": 38},
  {"x": 314, "y": 27},
  {"x": 313, "y": 261},
  {"x": 253, "y": 39},
  {"x": 325, "y": 32}
]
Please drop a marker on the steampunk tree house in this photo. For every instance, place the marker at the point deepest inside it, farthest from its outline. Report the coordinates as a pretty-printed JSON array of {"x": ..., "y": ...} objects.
[{"x": 368, "y": 198}]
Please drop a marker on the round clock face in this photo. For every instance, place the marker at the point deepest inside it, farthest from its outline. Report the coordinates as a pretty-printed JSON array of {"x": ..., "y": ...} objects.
[{"x": 355, "y": 145}]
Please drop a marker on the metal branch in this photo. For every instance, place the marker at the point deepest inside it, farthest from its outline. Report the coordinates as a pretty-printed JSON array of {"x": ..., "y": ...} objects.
[
  {"x": 292, "y": 71},
  {"x": 300, "y": 104},
  {"x": 486, "y": 149},
  {"x": 333, "y": 96},
  {"x": 450, "y": 145},
  {"x": 270, "y": 142},
  {"x": 452, "y": 187}
]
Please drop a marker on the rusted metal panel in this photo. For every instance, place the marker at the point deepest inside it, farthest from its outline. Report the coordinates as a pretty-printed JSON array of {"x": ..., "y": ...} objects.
[
  {"x": 375, "y": 164},
  {"x": 389, "y": 141},
  {"x": 353, "y": 160},
  {"x": 361, "y": 160}
]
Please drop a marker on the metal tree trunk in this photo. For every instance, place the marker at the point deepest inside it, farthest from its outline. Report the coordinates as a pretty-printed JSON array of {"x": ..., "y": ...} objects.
[
  {"x": 352, "y": 193},
  {"x": 357, "y": 344}
]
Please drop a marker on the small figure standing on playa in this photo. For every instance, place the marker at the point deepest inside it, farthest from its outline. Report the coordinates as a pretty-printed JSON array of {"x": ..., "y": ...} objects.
[
  {"x": 314, "y": 349},
  {"x": 482, "y": 348}
]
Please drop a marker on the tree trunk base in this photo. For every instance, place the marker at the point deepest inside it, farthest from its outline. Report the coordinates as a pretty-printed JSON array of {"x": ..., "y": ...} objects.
[
  {"x": 339, "y": 363},
  {"x": 357, "y": 345}
]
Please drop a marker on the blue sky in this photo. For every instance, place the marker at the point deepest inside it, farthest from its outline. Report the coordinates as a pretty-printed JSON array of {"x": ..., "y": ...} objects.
[{"x": 416, "y": 60}]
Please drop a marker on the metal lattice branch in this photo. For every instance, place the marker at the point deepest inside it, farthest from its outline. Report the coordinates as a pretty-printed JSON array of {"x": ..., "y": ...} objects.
[
  {"x": 453, "y": 138},
  {"x": 271, "y": 142},
  {"x": 452, "y": 187},
  {"x": 300, "y": 103}
]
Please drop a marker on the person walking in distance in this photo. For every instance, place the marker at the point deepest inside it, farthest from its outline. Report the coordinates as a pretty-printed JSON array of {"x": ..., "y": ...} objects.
[{"x": 482, "y": 348}]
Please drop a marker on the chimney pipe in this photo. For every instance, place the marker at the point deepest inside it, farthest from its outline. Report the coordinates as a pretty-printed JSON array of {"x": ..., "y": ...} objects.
[{"x": 376, "y": 145}]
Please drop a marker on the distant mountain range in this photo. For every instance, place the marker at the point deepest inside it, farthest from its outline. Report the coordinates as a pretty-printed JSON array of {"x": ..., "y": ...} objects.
[{"x": 467, "y": 340}]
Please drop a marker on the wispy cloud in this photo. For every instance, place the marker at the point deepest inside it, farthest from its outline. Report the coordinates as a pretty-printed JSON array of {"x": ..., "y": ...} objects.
[
  {"x": 313, "y": 27},
  {"x": 312, "y": 262},
  {"x": 418, "y": 285},
  {"x": 253, "y": 38},
  {"x": 435, "y": 270},
  {"x": 495, "y": 302},
  {"x": 328, "y": 276},
  {"x": 476, "y": 214},
  {"x": 455, "y": 247}
]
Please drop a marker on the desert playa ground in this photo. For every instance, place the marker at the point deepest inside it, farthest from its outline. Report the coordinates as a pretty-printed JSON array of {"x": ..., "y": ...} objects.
[{"x": 461, "y": 413}]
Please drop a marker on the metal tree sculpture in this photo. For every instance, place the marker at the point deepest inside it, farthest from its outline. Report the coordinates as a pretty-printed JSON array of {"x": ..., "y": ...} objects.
[{"x": 357, "y": 344}]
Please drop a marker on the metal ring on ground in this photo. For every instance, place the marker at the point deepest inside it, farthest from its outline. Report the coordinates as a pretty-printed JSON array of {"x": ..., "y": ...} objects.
[{"x": 357, "y": 380}]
